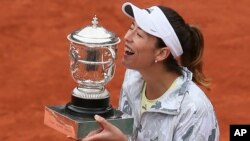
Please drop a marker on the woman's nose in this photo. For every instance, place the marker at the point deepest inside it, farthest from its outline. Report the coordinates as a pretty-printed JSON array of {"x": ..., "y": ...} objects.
[{"x": 128, "y": 36}]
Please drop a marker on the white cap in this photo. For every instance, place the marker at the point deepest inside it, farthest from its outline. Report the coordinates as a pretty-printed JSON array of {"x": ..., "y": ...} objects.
[{"x": 153, "y": 21}]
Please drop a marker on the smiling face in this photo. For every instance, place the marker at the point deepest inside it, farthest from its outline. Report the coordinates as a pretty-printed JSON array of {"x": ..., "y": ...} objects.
[{"x": 140, "y": 48}]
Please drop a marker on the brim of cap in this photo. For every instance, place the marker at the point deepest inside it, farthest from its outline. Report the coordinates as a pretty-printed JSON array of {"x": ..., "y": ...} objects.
[{"x": 141, "y": 17}]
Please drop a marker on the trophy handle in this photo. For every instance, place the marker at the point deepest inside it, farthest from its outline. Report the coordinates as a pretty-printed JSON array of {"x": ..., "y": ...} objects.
[{"x": 112, "y": 51}]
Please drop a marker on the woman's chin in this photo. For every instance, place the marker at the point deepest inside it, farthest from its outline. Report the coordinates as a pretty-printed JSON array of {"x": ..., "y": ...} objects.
[{"x": 125, "y": 63}]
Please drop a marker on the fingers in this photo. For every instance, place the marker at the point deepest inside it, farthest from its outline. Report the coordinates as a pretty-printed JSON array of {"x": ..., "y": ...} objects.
[
  {"x": 93, "y": 135},
  {"x": 101, "y": 121},
  {"x": 103, "y": 133},
  {"x": 94, "y": 132}
]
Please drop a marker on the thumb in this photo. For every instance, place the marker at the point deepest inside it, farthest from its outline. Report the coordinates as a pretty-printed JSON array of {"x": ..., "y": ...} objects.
[{"x": 101, "y": 121}]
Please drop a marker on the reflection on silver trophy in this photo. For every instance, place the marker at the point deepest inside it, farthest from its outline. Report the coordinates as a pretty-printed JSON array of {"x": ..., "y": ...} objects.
[{"x": 92, "y": 54}]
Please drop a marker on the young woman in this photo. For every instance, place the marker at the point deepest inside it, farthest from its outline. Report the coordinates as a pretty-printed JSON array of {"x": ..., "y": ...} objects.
[{"x": 163, "y": 60}]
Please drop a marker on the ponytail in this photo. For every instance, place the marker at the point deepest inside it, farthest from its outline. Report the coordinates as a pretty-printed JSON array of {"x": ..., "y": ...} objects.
[
  {"x": 192, "y": 43},
  {"x": 192, "y": 55}
]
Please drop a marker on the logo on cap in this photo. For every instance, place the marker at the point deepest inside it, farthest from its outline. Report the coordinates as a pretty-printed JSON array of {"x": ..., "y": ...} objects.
[{"x": 149, "y": 10}]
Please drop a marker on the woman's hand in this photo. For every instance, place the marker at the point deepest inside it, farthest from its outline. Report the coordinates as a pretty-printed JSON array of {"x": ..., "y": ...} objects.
[{"x": 107, "y": 132}]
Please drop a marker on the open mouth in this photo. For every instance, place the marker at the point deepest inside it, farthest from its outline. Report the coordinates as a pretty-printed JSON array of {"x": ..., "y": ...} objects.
[{"x": 129, "y": 51}]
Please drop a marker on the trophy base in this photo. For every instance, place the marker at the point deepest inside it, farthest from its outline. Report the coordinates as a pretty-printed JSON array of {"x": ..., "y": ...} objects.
[
  {"x": 88, "y": 108},
  {"x": 78, "y": 127}
]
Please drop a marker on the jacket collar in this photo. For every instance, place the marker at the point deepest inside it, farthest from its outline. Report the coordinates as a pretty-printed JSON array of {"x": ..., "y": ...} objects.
[{"x": 169, "y": 103}]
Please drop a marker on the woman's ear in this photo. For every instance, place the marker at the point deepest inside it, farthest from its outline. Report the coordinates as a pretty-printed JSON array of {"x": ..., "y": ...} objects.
[{"x": 162, "y": 53}]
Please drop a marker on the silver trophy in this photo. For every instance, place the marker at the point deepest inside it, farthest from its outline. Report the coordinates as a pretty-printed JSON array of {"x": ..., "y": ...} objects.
[{"x": 92, "y": 54}]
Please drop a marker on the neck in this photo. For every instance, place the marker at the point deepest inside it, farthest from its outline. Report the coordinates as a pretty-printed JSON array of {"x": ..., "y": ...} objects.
[{"x": 158, "y": 81}]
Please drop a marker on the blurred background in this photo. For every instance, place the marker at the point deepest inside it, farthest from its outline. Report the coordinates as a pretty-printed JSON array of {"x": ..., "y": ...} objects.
[{"x": 34, "y": 67}]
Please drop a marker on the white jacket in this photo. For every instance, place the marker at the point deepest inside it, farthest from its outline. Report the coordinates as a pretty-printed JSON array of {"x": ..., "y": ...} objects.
[{"x": 184, "y": 114}]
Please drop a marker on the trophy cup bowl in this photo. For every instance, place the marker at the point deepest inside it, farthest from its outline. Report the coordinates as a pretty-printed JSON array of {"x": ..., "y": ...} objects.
[{"x": 92, "y": 53}]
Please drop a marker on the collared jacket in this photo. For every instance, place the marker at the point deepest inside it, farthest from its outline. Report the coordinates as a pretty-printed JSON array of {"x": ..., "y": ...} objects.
[{"x": 183, "y": 114}]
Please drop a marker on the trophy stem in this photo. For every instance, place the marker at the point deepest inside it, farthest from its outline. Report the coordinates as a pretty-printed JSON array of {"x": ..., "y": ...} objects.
[
  {"x": 90, "y": 93},
  {"x": 89, "y": 104}
]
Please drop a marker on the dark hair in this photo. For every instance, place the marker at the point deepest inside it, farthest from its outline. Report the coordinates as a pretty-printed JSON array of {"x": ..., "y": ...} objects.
[{"x": 192, "y": 43}]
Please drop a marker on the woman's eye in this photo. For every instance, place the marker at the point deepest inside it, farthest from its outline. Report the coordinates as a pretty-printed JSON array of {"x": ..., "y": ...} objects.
[{"x": 138, "y": 34}]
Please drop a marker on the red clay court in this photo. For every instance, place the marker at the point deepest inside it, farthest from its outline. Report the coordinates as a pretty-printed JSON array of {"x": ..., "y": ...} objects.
[{"x": 34, "y": 68}]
